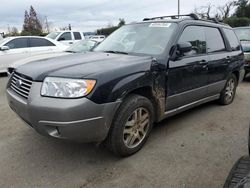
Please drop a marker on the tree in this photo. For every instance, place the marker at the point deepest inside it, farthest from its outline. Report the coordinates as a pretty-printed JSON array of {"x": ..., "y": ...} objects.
[
  {"x": 110, "y": 28},
  {"x": 26, "y": 23},
  {"x": 121, "y": 22},
  {"x": 226, "y": 9},
  {"x": 237, "y": 22},
  {"x": 32, "y": 25},
  {"x": 204, "y": 11},
  {"x": 243, "y": 8}
]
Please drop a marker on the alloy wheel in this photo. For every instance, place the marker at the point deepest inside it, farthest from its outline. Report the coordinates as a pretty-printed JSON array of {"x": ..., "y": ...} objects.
[{"x": 136, "y": 127}]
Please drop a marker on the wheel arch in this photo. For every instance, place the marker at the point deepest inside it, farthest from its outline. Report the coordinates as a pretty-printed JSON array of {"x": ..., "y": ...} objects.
[{"x": 149, "y": 93}]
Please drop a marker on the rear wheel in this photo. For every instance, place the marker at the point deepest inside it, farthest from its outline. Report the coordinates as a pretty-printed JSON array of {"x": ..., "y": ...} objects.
[
  {"x": 228, "y": 93},
  {"x": 131, "y": 126}
]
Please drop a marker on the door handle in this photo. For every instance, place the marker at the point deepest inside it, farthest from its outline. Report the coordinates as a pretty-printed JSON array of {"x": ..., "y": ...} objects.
[
  {"x": 228, "y": 58},
  {"x": 70, "y": 42},
  {"x": 203, "y": 62}
]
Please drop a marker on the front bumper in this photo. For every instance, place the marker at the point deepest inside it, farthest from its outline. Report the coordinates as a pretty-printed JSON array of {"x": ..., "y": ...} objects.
[{"x": 71, "y": 119}]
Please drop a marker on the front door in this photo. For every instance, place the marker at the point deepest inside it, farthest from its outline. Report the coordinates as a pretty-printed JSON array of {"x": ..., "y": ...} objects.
[
  {"x": 18, "y": 50},
  {"x": 188, "y": 75}
]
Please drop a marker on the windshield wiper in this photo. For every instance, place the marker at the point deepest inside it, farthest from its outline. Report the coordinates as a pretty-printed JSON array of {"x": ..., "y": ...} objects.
[
  {"x": 115, "y": 52},
  {"x": 70, "y": 51},
  {"x": 244, "y": 39}
]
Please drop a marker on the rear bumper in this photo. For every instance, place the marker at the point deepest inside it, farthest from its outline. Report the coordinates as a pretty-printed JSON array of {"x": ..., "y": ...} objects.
[{"x": 72, "y": 119}]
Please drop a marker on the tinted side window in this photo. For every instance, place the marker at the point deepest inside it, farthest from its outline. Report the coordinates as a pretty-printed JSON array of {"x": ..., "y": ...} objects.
[
  {"x": 34, "y": 42},
  {"x": 215, "y": 42},
  {"x": 196, "y": 36},
  {"x": 232, "y": 39},
  {"x": 18, "y": 43},
  {"x": 65, "y": 36},
  {"x": 77, "y": 36}
]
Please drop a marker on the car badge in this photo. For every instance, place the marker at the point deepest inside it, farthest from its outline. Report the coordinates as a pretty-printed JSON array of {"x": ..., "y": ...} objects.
[{"x": 19, "y": 83}]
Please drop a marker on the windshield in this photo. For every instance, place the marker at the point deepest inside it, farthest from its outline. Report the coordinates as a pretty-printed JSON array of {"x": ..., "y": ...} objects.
[
  {"x": 2, "y": 41},
  {"x": 145, "y": 38},
  {"x": 53, "y": 35},
  {"x": 82, "y": 46},
  {"x": 243, "y": 34}
]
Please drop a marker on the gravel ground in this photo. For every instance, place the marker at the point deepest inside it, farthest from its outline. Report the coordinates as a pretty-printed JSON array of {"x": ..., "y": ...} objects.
[{"x": 194, "y": 149}]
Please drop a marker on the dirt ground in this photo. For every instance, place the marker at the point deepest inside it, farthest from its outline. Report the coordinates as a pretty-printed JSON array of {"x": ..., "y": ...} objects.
[{"x": 191, "y": 150}]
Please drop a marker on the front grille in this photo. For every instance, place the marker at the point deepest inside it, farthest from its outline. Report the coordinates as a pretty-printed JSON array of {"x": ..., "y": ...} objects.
[{"x": 20, "y": 85}]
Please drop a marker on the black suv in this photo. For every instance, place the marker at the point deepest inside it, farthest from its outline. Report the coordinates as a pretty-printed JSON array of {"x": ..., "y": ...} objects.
[{"x": 141, "y": 74}]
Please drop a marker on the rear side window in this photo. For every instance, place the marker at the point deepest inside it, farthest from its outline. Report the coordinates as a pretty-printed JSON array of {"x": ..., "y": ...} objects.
[
  {"x": 215, "y": 42},
  {"x": 232, "y": 39},
  {"x": 35, "y": 42},
  {"x": 18, "y": 43},
  {"x": 65, "y": 36},
  {"x": 77, "y": 36},
  {"x": 196, "y": 36}
]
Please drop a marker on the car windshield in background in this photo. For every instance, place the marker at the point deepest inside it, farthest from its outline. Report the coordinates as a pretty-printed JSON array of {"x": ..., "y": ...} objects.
[
  {"x": 145, "y": 38},
  {"x": 3, "y": 41},
  {"x": 243, "y": 34},
  {"x": 82, "y": 46},
  {"x": 53, "y": 35}
]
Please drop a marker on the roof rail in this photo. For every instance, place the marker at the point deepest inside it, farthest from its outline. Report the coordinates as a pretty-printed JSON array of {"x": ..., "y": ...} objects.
[{"x": 193, "y": 16}]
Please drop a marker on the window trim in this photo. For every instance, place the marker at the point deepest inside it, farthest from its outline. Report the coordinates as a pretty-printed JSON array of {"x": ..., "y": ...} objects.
[{"x": 226, "y": 42}]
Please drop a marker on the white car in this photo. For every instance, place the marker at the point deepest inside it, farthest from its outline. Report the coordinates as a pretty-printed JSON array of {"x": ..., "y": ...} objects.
[
  {"x": 66, "y": 37},
  {"x": 98, "y": 38},
  {"x": 79, "y": 47},
  {"x": 16, "y": 48}
]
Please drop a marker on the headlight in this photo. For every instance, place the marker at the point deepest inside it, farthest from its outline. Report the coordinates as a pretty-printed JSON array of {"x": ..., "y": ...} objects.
[{"x": 66, "y": 88}]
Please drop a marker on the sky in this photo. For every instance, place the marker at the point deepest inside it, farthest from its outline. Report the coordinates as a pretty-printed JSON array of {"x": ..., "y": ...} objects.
[{"x": 89, "y": 15}]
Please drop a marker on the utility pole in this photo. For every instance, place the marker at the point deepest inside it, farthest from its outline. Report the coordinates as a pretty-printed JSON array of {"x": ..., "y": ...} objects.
[
  {"x": 178, "y": 8},
  {"x": 47, "y": 24}
]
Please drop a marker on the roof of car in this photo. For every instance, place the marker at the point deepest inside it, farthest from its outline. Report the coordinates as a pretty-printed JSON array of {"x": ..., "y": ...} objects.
[
  {"x": 25, "y": 37},
  {"x": 186, "y": 18}
]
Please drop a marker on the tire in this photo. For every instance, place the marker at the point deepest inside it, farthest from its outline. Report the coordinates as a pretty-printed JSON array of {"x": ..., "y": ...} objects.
[
  {"x": 127, "y": 137},
  {"x": 240, "y": 170},
  {"x": 249, "y": 141},
  {"x": 228, "y": 93}
]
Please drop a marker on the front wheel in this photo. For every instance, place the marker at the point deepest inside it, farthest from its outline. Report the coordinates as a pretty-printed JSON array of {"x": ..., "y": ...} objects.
[
  {"x": 228, "y": 93},
  {"x": 131, "y": 126}
]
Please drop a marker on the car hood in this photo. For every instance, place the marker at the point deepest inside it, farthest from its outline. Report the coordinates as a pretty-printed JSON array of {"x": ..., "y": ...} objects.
[
  {"x": 89, "y": 65},
  {"x": 36, "y": 58},
  {"x": 245, "y": 46}
]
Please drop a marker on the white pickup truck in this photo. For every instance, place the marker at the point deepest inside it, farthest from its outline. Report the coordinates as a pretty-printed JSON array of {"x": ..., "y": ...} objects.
[{"x": 66, "y": 37}]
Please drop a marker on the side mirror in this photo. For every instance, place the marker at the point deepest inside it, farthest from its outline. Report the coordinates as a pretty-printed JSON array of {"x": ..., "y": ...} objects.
[
  {"x": 184, "y": 47},
  {"x": 61, "y": 39},
  {"x": 4, "y": 48}
]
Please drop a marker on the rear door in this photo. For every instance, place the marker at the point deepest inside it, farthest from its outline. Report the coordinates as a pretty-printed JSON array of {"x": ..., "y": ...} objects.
[
  {"x": 19, "y": 49},
  {"x": 219, "y": 60},
  {"x": 41, "y": 46},
  {"x": 188, "y": 75},
  {"x": 77, "y": 36}
]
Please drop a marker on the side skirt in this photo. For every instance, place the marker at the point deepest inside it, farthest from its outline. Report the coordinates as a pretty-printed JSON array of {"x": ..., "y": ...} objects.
[{"x": 190, "y": 105}]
